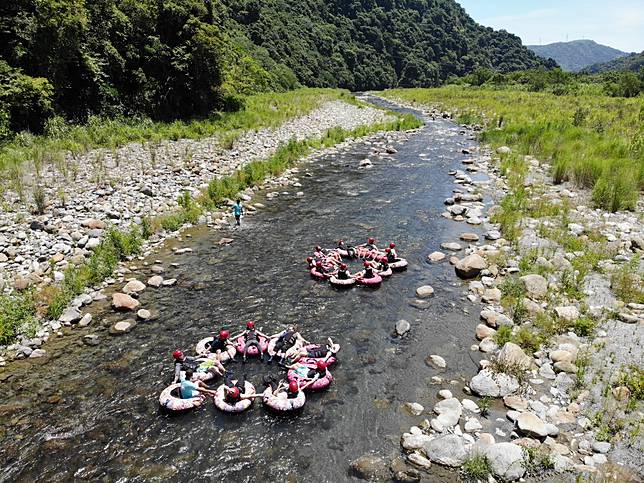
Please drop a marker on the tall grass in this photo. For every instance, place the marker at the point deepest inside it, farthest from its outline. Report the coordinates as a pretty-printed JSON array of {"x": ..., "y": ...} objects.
[
  {"x": 595, "y": 141},
  {"x": 259, "y": 111}
]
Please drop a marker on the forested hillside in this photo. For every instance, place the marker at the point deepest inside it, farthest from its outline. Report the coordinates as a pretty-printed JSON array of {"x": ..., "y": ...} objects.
[
  {"x": 574, "y": 56},
  {"x": 378, "y": 43},
  {"x": 168, "y": 59},
  {"x": 632, "y": 63}
]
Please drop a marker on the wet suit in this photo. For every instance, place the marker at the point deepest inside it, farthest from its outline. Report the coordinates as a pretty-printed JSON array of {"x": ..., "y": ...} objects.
[
  {"x": 368, "y": 272},
  {"x": 252, "y": 339},
  {"x": 217, "y": 345},
  {"x": 285, "y": 341},
  {"x": 317, "y": 352},
  {"x": 343, "y": 275},
  {"x": 391, "y": 258},
  {"x": 315, "y": 372},
  {"x": 183, "y": 365},
  {"x": 240, "y": 384}
]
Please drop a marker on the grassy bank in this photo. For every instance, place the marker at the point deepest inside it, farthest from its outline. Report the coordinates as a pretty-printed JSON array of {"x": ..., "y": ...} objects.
[
  {"x": 595, "y": 141},
  {"x": 27, "y": 152},
  {"x": 20, "y": 312}
]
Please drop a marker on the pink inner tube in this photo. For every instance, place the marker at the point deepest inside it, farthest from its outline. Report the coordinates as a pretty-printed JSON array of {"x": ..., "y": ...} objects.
[
  {"x": 318, "y": 385},
  {"x": 281, "y": 402},
  {"x": 313, "y": 360},
  {"x": 320, "y": 276},
  {"x": 252, "y": 350},
  {"x": 386, "y": 273},
  {"x": 338, "y": 282},
  {"x": 399, "y": 264},
  {"x": 239, "y": 406},
  {"x": 169, "y": 401},
  {"x": 225, "y": 356},
  {"x": 371, "y": 282},
  {"x": 199, "y": 376}
]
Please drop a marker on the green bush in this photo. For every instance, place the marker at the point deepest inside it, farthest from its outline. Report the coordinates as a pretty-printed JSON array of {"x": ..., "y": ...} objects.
[
  {"x": 16, "y": 311},
  {"x": 476, "y": 467}
]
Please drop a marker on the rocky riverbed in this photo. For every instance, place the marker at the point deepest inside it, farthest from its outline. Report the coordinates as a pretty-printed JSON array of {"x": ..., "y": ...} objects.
[
  {"x": 104, "y": 188},
  {"x": 565, "y": 404}
]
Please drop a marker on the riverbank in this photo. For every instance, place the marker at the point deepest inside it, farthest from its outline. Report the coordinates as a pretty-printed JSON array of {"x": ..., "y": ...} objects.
[
  {"x": 560, "y": 285},
  {"x": 75, "y": 246}
]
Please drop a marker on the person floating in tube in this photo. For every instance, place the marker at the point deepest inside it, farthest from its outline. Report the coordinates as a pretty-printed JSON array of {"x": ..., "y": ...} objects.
[
  {"x": 391, "y": 258},
  {"x": 383, "y": 265},
  {"x": 392, "y": 250},
  {"x": 343, "y": 273},
  {"x": 286, "y": 340},
  {"x": 367, "y": 273},
  {"x": 238, "y": 211},
  {"x": 184, "y": 363},
  {"x": 251, "y": 338},
  {"x": 190, "y": 389}
]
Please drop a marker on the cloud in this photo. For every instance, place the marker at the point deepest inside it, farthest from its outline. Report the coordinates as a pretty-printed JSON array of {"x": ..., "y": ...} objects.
[{"x": 628, "y": 18}]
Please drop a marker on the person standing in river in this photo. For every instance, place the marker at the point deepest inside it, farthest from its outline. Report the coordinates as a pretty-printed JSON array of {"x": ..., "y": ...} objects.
[{"x": 238, "y": 211}]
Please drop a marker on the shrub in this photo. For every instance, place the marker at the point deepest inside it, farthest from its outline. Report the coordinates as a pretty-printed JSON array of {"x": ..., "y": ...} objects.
[
  {"x": 476, "y": 467},
  {"x": 503, "y": 335},
  {"x": 16, "y": 310}
]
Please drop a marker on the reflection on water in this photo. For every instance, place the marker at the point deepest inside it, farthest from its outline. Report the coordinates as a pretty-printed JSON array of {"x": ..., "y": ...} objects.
[{"x": 92, "y": 412}]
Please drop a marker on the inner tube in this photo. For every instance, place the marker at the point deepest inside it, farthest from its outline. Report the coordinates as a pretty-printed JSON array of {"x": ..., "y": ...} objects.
[
  {"x": 313, "y": 360},
  {"x": 171, "y": 400},
  {"x": 199, "y": 375},
  {"x": 239, "y": 406},
  {"x": 319, "y": 385},
  {"x": 370, "y": 282},
  {"x": 200, "y": 349},
  {"x": 342, "y": 283},
  {"x": 386, "y": 273},
  {"x": 399, "y": 265},
  {"x": 252, "y": 350},
  {"x": 318, "y": 275},
  {"x": 282, "y": 403}
]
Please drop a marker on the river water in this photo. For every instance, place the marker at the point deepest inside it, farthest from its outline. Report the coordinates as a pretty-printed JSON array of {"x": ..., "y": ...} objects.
[{"x": 92, "y": 412}]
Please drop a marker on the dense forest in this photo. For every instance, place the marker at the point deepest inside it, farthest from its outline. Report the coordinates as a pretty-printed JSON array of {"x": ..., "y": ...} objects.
[
  {"x": 168, "y": 59},
  {"x": 632, "y": 63},
  {"x": 577, "y": 54}
]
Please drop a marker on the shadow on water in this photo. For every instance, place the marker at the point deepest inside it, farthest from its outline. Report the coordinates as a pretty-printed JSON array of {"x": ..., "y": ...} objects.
[{"x": 92, "y": 412}]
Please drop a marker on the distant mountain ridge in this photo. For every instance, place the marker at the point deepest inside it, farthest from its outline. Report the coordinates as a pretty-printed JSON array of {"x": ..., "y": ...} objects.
[
  {"x": 631, "y": 62},
  {"x": 574, "y": 56}
]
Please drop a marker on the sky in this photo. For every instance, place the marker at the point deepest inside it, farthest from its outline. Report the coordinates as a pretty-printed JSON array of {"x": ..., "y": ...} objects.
[{"x": 616, "y": 23}]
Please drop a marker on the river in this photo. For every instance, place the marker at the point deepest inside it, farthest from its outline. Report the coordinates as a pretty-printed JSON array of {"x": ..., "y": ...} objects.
[{"x": 93, "y": 413}]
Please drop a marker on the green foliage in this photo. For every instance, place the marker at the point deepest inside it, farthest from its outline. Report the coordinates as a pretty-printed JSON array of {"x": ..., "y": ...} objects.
[
  {"x": 633, "y": 62},
  {"x": 503, "y": 335},
  {"x": 593, "y": 140},
  {"x": 26, "y": 102},
  {"x": 536, "y": 461},
  {"x": 628, "y": 282},
  {"x": 633, "y": 378},
  {"x": 484, "y": 405},
  {"x": 16, "y": 311},
  {"x": 476, "y": 467}
]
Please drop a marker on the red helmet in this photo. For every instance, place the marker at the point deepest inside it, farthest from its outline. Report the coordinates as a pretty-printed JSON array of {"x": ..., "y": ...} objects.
[
  {"x": 250, "y": 324},
  {"x": 343, "y": 266},
  {"x": 177, "y": 354},
  {"x": 340, "y": 242},
  {"x": 388, "y": 250},
  {"x": 366, "y": 264},
  {"x": 318, "y": 264},
  {"x": 384, "y": 260},
  {"x": 371, "y": 240},
  {"x": 321, "y": 365},
  {"x": 392, "y": 245},
  {"x": 293, "y": 387},
  {"x": 234, "y": 392},
  {"x": 318, "y": 248},
  {"x": 224, "y": 334},
  {"x": 309, "y": 259}
]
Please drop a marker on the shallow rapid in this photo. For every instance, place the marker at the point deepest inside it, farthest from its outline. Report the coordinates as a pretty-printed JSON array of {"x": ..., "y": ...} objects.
[{"x": 93, "y": 413}]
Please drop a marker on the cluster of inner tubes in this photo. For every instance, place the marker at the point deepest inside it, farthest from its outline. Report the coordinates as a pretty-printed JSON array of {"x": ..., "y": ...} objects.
[
  {"x": 306, "y": 365},
  {"x": 330, "y": 264}
]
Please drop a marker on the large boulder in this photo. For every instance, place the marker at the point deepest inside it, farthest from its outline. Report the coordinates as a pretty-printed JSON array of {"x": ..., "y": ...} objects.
[
  {"x": 448, "y": 450},
  {"x": 470, "y": 266},
  {"x": 133, "y": 287},
  {"x": 121, "y": 301},
  {"x": 530, "y": 424},
  {"x": 70, "y": 315},
  {"x": 506, "y": 460},
  {"x": 370, "y": 467},
  {"x": 535, "y": 285},
  {"x": 489, "y": 383},
  {"x": 569, "y": 313},
  {"x": 449, "y": 412},
  {"x": 512, "y": 354},
  {"x": 411, "y": 441}
]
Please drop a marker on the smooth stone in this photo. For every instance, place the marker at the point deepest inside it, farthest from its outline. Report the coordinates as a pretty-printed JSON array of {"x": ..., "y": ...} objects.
[
  {"x": 436, "y": 256},
  {"x": 448, "y": 450},
  {"x": 488, "y": 383},
  {"x": 85, "y": 321},
  {"x": 536, "y": 286},
  {"x": 425, "y": 291},
  {"x": 121, "y": 301},
  {"x": 437, "y": 361},
  {"x": 133, "y": 287},
  {"x": 369, "y": 467},
  {"x": 455, "y": 247},
  {"x": 532, "y": 425},
  {"x": 470, "y": 266},
  {"x": 601, "y": 447},
  {"x": 414, "y": 408},
  {"x": 70, "y": 315},
  {"x": 445, "y": 394},
  {"x": 506, "y": 460},
  {"x": 144, "y": 314},
  {"x": 91, "y": 340},
  {"x": 122, "y": 327},
  {"x": 155, "y": 281}
]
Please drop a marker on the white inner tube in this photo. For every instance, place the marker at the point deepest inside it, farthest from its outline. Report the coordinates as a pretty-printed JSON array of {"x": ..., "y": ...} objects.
[
  {"x": 282, "y": 402},
  {"x": 174, "y": 403},
  {"x": 239, "y": 406}
]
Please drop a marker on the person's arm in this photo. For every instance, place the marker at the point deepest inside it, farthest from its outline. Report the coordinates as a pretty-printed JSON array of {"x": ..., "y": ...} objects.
[
  {"x": 312, "y": 381},
  {"x": 262, "y": 334},
  {"x": 234, "y": 337}
]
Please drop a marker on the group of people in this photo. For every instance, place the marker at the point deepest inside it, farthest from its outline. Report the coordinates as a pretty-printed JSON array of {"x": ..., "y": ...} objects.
[
  {"x": 330, "y": 262},
  {"x": 307, "y": 364}
]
